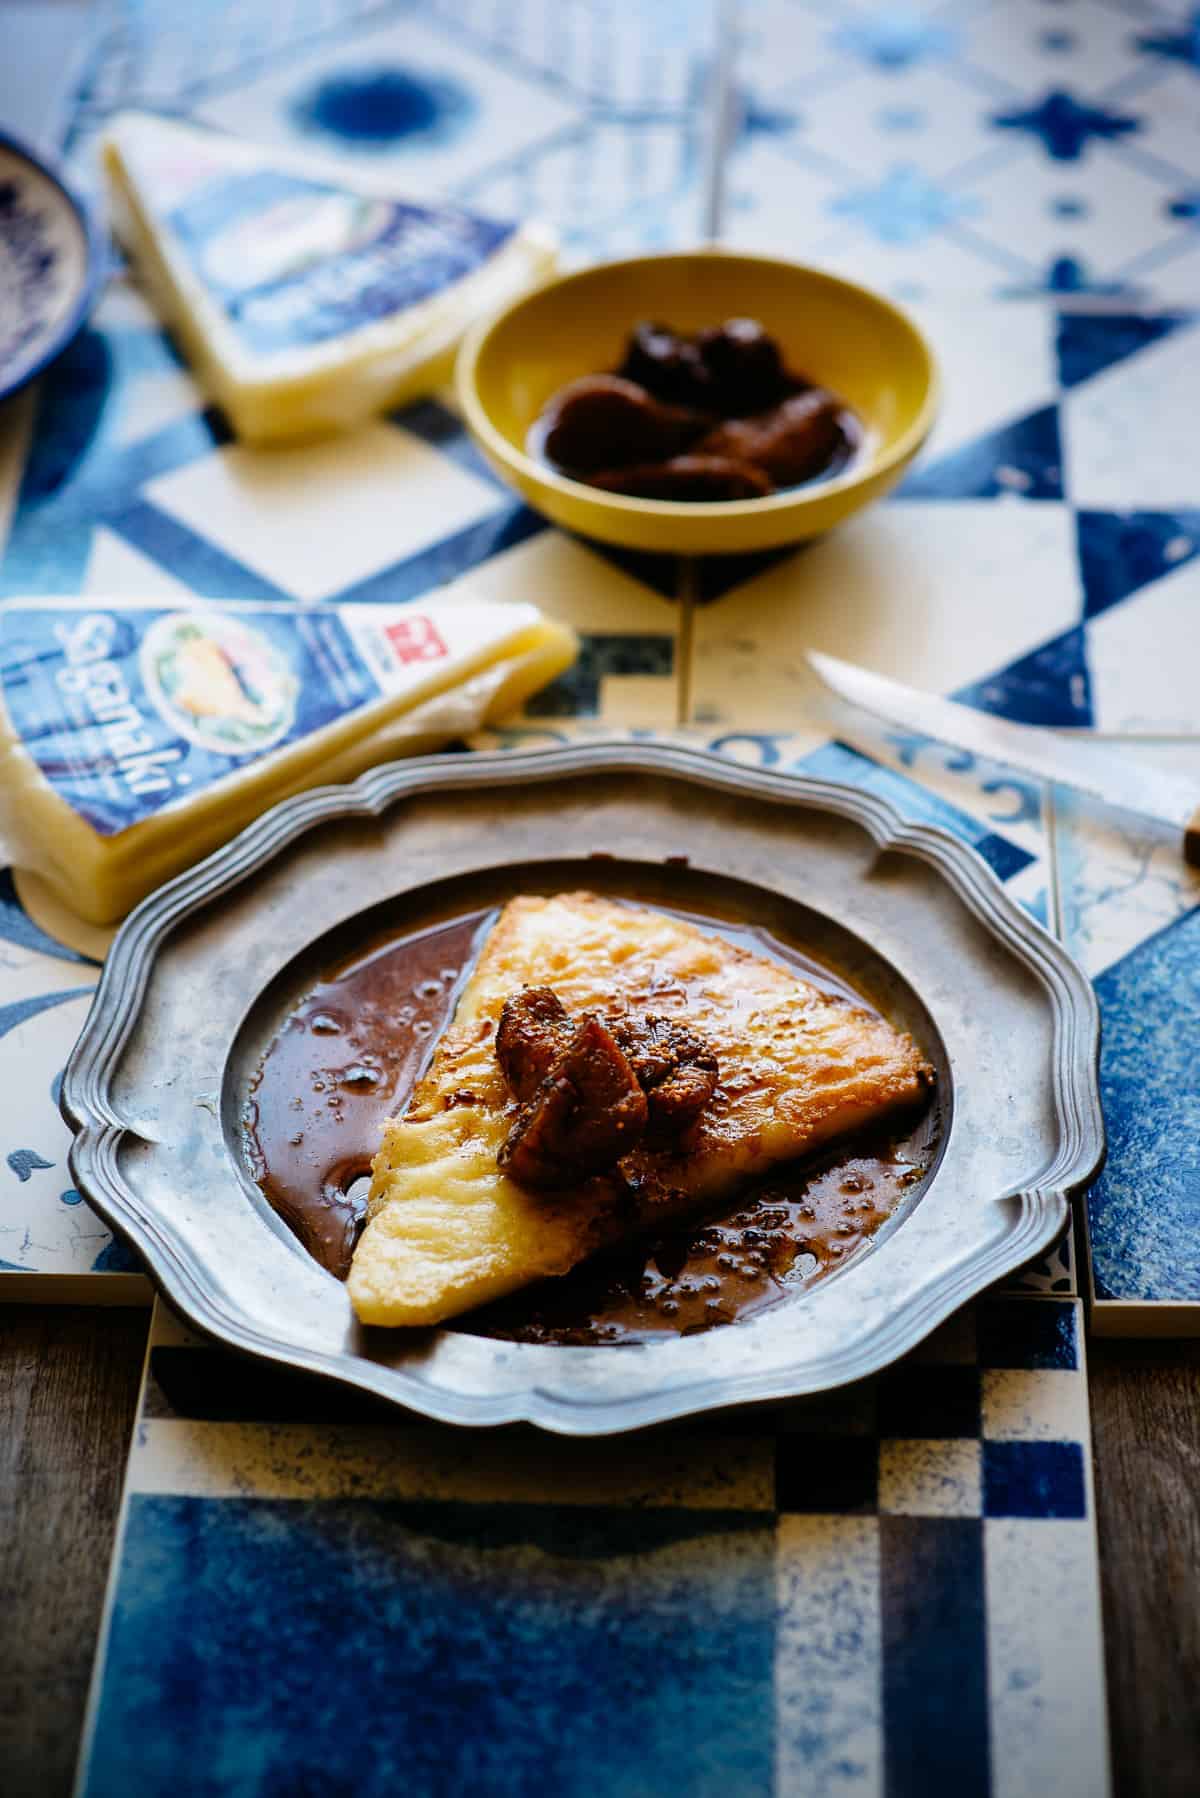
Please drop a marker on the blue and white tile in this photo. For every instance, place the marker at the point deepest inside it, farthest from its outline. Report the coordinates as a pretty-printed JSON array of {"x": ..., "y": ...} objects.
[
  {"x": 45, "y": 1227},
  {"x": 1130, "y": 910},
  {"x": 998, "y": 367},
  {"x": 1122, "y": 879},
  {"x": 635, "y": 61},
  {"x": 1032, "y": 46},
  {"x": 1045, "y": 1658},
  {"x": 116, "y": 568},
  {"x": 829, "y": 1705},
  {"x": 627, "y": 673},
  {"x": 1101, "y": 211},
  {"x": 930, "y": 1478},
  {"x": 937, "y": 595},
  {"x": 406, "y": 100},
  {"x": 607, "y": 189},
  {"x": 860, "y": 1582},
  {"x": 897, "y": 228},
  {"x": 1129, "y": 433},
  {"x": 1142, "y": 653},
  {"x": 1175, "y": 271},
  {"x": 1169, "y": 128},
  {"x": 318, "y": 518},
  {"x": 869, "y": 118},
  {"x": 1144, "y": 1209},
  {"x": 785, "y": 45}
]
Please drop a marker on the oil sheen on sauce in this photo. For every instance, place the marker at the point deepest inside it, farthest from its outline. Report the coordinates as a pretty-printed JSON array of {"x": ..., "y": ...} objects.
[{"x": 349, "y": 1054}]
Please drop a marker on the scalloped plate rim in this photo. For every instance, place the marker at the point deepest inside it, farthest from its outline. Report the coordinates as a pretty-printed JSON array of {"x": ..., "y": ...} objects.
[{"x": 1043, "y": 1211}]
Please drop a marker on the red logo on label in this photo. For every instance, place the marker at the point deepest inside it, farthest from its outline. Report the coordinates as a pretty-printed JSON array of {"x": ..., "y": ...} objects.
[{"x": 416, "y": 640}]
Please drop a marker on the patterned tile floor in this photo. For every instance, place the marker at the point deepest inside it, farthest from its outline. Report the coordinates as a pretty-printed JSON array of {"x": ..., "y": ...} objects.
[{"x": 903, "y": 1595}]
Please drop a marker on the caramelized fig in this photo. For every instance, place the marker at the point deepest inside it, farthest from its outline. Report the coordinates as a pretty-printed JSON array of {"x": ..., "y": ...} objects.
[
  {"x": 790, "y": 443},
  {"x": 602, "y": 421},
  {"x": 588, "y": 1111},
  {"x": 667, "y": 365},
  {"x": 533, "y": 1031},
  {"x": 688, "y": 477},
  {"x": 674, "y": 1067},
  {"x": 746, "y": 372}
]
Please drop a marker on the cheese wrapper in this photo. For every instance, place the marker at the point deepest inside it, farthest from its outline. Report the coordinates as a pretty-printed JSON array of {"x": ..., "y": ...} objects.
[
  {"x": 137, "y": 737},
  {"x": 303, "y": 303}
]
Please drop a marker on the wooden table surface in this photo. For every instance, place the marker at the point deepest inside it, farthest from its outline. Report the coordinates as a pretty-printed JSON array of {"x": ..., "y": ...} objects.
[{"x": 68, "y": 1388}]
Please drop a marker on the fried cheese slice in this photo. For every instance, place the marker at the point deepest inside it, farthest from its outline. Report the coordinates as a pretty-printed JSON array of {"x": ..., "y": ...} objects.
[{"x": 799, "y": 1066}]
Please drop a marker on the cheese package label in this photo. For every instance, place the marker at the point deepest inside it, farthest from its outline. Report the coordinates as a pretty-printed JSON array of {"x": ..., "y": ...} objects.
[
  {"x": 126, "y": 709},
  {"x": 293, "y": 261}
]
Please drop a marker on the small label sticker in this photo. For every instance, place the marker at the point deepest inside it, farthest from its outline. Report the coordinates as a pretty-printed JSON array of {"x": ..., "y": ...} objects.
[{"x": 416, "y": 639}]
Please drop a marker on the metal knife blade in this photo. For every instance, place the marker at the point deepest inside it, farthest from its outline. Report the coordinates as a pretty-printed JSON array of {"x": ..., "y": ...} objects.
[{"x": 1132, "y": 786}]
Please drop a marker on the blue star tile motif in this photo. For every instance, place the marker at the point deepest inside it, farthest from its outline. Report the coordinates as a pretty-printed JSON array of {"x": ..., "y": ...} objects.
[
  {"x": 1066, "y": 126},
  {"x": 893, "y": 39},
  {"x": 1177, "y": 46},
  {"x": 906, "y": 206}
]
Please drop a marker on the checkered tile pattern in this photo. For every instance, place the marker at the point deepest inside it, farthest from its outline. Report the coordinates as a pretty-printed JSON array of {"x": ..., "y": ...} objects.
[{"x": 834, "y": 1595}]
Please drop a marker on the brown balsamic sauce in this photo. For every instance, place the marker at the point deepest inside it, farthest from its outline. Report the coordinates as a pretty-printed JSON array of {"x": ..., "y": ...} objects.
[
  {"x": 345, "y": 1060},
  {"x": 348, "y": 1056}
]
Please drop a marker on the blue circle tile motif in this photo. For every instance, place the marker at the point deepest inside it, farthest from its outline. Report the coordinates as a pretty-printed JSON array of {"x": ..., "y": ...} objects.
[{"x": 380, "y": 108}]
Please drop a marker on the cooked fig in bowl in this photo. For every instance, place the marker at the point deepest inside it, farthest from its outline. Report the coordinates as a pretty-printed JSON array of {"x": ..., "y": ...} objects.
[{"x": 714, "y": 416}]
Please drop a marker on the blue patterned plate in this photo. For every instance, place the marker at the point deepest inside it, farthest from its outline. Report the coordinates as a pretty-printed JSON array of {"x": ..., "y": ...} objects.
[{"x": 49, "y": 265}]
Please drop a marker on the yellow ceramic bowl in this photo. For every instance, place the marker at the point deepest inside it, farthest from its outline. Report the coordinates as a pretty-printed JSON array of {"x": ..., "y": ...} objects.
[{"x": 842, "y": 336}]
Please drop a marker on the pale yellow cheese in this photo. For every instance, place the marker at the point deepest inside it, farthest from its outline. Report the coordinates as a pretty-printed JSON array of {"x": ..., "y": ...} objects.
[{"x": 325, "y": 382}]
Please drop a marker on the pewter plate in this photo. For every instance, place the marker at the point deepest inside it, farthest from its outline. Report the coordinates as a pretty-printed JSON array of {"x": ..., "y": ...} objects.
[{"x": 201, "y": 973}]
